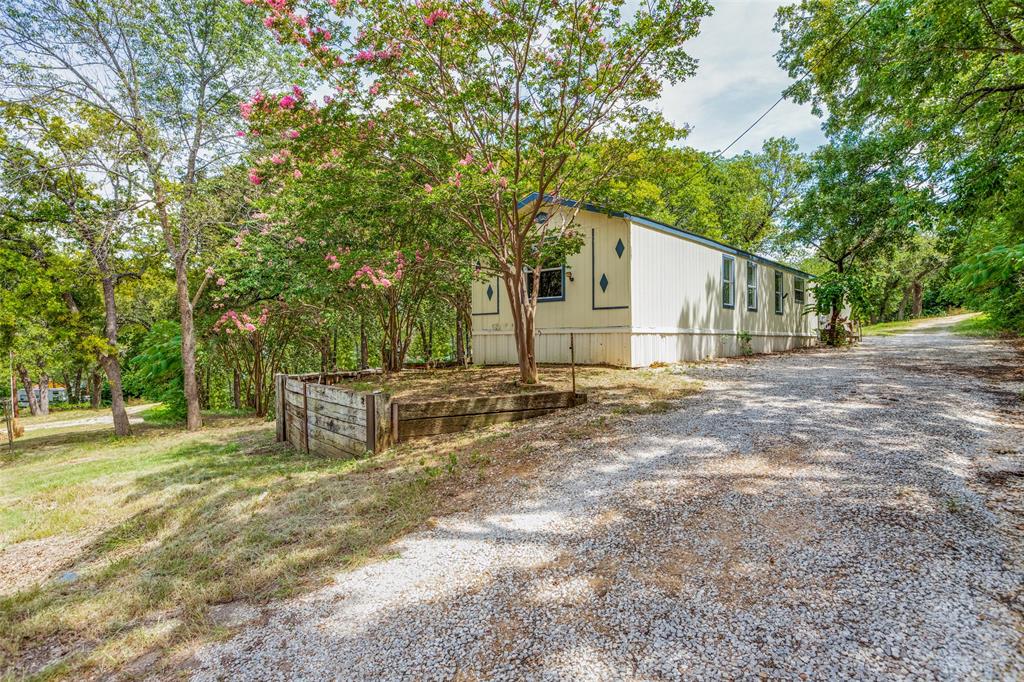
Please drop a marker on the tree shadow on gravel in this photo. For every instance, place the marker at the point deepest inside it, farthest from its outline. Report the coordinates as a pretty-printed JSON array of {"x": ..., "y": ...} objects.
[{"x": 795, "y": 520}]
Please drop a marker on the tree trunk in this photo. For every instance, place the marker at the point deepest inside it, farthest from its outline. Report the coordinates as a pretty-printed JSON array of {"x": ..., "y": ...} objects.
[
  {"x": 460, "y": 347},
  {"x": 178, "y": 250},
  {"x": 44, "y": 394},
  {"x": 95, "y": 390},
  {"x": 26, "y": 380},
  {"x": 78, "y": 385},
  {"x": 194, "y": 418},
  {"x": 110, "y": 363},
  {"x": 236, "y": 390},
  {"x": 901, "y": 314},
  {"x": 523, "y": 314},
  {"x": 918, "y": 299},
  {"x": 364, "y": 348}
]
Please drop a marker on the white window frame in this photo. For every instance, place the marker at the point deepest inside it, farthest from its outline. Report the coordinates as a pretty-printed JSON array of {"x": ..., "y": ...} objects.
[
  {"x": 780, "y": 292},
  {"x": 543, "y": 299},
  {"x": 752, "y": 286},
  {"x": 731, "y": 281},
  {"x": 799, "y": 290}
]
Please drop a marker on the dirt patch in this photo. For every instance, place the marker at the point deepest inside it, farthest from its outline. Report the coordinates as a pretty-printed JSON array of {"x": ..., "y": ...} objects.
[{"x": 32, "y": 562}]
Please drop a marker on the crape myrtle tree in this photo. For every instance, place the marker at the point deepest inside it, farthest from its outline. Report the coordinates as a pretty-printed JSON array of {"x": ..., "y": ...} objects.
[
  {"x": 518, "y": 94},
  {"x": 171, "y": 74},
  {"x": 333, "y": 184}
]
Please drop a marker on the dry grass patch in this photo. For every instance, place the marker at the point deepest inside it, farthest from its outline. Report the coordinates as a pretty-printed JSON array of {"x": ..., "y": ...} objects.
[{"x": 156, "y": 532}]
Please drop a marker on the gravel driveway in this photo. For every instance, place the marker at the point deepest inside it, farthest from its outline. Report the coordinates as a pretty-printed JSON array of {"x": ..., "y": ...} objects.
[{"x": 817, "y": 514}]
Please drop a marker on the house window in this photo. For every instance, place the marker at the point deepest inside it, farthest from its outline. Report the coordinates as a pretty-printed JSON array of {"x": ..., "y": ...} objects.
[
  {"x": 798, "y": 290},
  {"x": 552, "y": 283},
  {"x": 751, "y": 286},
  {"x": 728, "y": 281},
  {"x": 780, "y": 294}
]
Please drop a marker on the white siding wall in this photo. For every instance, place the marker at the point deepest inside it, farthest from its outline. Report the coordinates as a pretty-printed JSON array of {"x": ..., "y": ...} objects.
[{"x": 678, "y": 311}]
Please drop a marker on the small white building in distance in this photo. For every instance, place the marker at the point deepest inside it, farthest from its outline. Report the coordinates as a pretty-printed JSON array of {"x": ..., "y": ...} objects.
[{"x": 641, "y": 292}]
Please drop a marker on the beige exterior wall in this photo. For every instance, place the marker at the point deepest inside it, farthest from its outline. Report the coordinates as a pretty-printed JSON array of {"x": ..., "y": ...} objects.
[
  {"x": 598, "y": 317},
  {"x": 662, "y": 303}
]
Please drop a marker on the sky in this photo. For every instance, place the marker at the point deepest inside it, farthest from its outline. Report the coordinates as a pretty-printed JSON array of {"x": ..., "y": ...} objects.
[{"x": 737, "y": 79}]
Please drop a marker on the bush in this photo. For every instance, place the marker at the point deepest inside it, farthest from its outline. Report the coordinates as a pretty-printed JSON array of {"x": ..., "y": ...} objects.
[{"x": 156, "y": 373}]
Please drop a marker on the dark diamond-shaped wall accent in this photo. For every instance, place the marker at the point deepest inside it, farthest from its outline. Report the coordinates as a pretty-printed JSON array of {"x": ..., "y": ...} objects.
[
  {"x": 604, "y": 282},
  {"x": 619, "y": 248},
  {"x": 490, "y": 292}
]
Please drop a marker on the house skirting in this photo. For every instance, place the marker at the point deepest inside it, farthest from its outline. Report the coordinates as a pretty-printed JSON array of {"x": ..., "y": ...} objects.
[{"x": 625, "y": 347}]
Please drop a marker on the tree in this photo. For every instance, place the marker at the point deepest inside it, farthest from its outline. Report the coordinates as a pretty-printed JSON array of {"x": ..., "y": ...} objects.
[
  {"x": 518, "y": 95},
  {"x": 947, "y": 78},
  {"x": 171, "y": 75},
  {"x": 859, "y": 205},
  {"x": 78, "y": 182}
]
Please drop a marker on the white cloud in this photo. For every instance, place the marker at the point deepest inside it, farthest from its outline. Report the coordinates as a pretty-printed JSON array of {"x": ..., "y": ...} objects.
[{"x": 737, "y": 79}]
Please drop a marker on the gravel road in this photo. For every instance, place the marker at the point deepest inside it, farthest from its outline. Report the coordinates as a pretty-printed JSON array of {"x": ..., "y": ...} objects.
[
  {"x": 821, "y": 514},
  {"x": 106, "y": 419}
]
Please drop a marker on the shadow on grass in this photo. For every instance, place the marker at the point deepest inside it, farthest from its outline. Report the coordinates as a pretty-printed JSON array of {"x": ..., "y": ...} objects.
[{"x": 240, "y": 519}]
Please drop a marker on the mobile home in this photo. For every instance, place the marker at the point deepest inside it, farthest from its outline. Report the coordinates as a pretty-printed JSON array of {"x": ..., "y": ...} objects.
[{"x": 641, "y": 292}]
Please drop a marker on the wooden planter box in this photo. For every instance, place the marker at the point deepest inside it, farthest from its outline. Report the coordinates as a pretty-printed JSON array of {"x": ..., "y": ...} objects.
[
  {"x": 429, "y": 417},
  {"x": 330, "y": 420},
  {"x": 318, "y": 417}
]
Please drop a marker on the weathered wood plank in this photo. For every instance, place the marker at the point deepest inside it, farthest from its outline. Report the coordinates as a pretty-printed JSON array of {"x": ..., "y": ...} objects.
[
  {"x": 293, "y": 385},
  {"x": 293, "y": 398},
  {"x": 486, "y": 404},
  {"x": 348, "y": 445},
  {"x": 324, "y": 449},
  {"x": 334, "y": 411},
  {"x": 451, "y": 424},
  {"x": 336, "y": 395},
  {"x": 344, "y": 428},
  {"x": 279, "y": 405},
  {"x": 294, "y": 431},
  {"x": 383, "y": 420}
]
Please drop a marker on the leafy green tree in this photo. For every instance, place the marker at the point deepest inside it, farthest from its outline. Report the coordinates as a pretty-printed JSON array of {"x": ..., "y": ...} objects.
[
  {"x": 78, "y": 184},
  {"x": 946, "y": 77},
  {"x": 859, "y": 206},
  {"x": 171, "y": 74}
]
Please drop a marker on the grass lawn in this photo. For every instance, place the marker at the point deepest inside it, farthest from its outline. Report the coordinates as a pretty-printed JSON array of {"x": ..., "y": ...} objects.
[
  {"x": 890, "y": 328},
  {"x": 979, "y": 325},
  {"x": 113, "y": 552}
]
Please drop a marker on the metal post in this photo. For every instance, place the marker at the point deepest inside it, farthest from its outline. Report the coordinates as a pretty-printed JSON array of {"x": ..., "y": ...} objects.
[
  {"x": 572, "y": 361},
  {"x": 14, "y": 389},
  {"x": 371, "y": 422}
]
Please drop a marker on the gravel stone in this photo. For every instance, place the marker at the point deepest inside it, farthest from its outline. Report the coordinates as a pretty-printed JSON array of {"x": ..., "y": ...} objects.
[{"x": 811, "y": 515}]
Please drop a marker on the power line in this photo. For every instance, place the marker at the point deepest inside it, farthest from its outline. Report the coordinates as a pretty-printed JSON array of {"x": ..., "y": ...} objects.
[{"x": 831, "y": 48}]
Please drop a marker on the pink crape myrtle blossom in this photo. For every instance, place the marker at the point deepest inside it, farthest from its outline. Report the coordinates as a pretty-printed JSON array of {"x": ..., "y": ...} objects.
[
  {"x": 221, "y": 281},
  {"x": 287, "y": 102},
  {"x": 436, "y": 16}
]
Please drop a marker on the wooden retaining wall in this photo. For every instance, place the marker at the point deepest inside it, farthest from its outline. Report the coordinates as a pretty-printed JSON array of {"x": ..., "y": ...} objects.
[
  {"x": 425, "y": 418},
  {"x": 325, "y": 419},
  {"x": 329, "y": 420}
]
